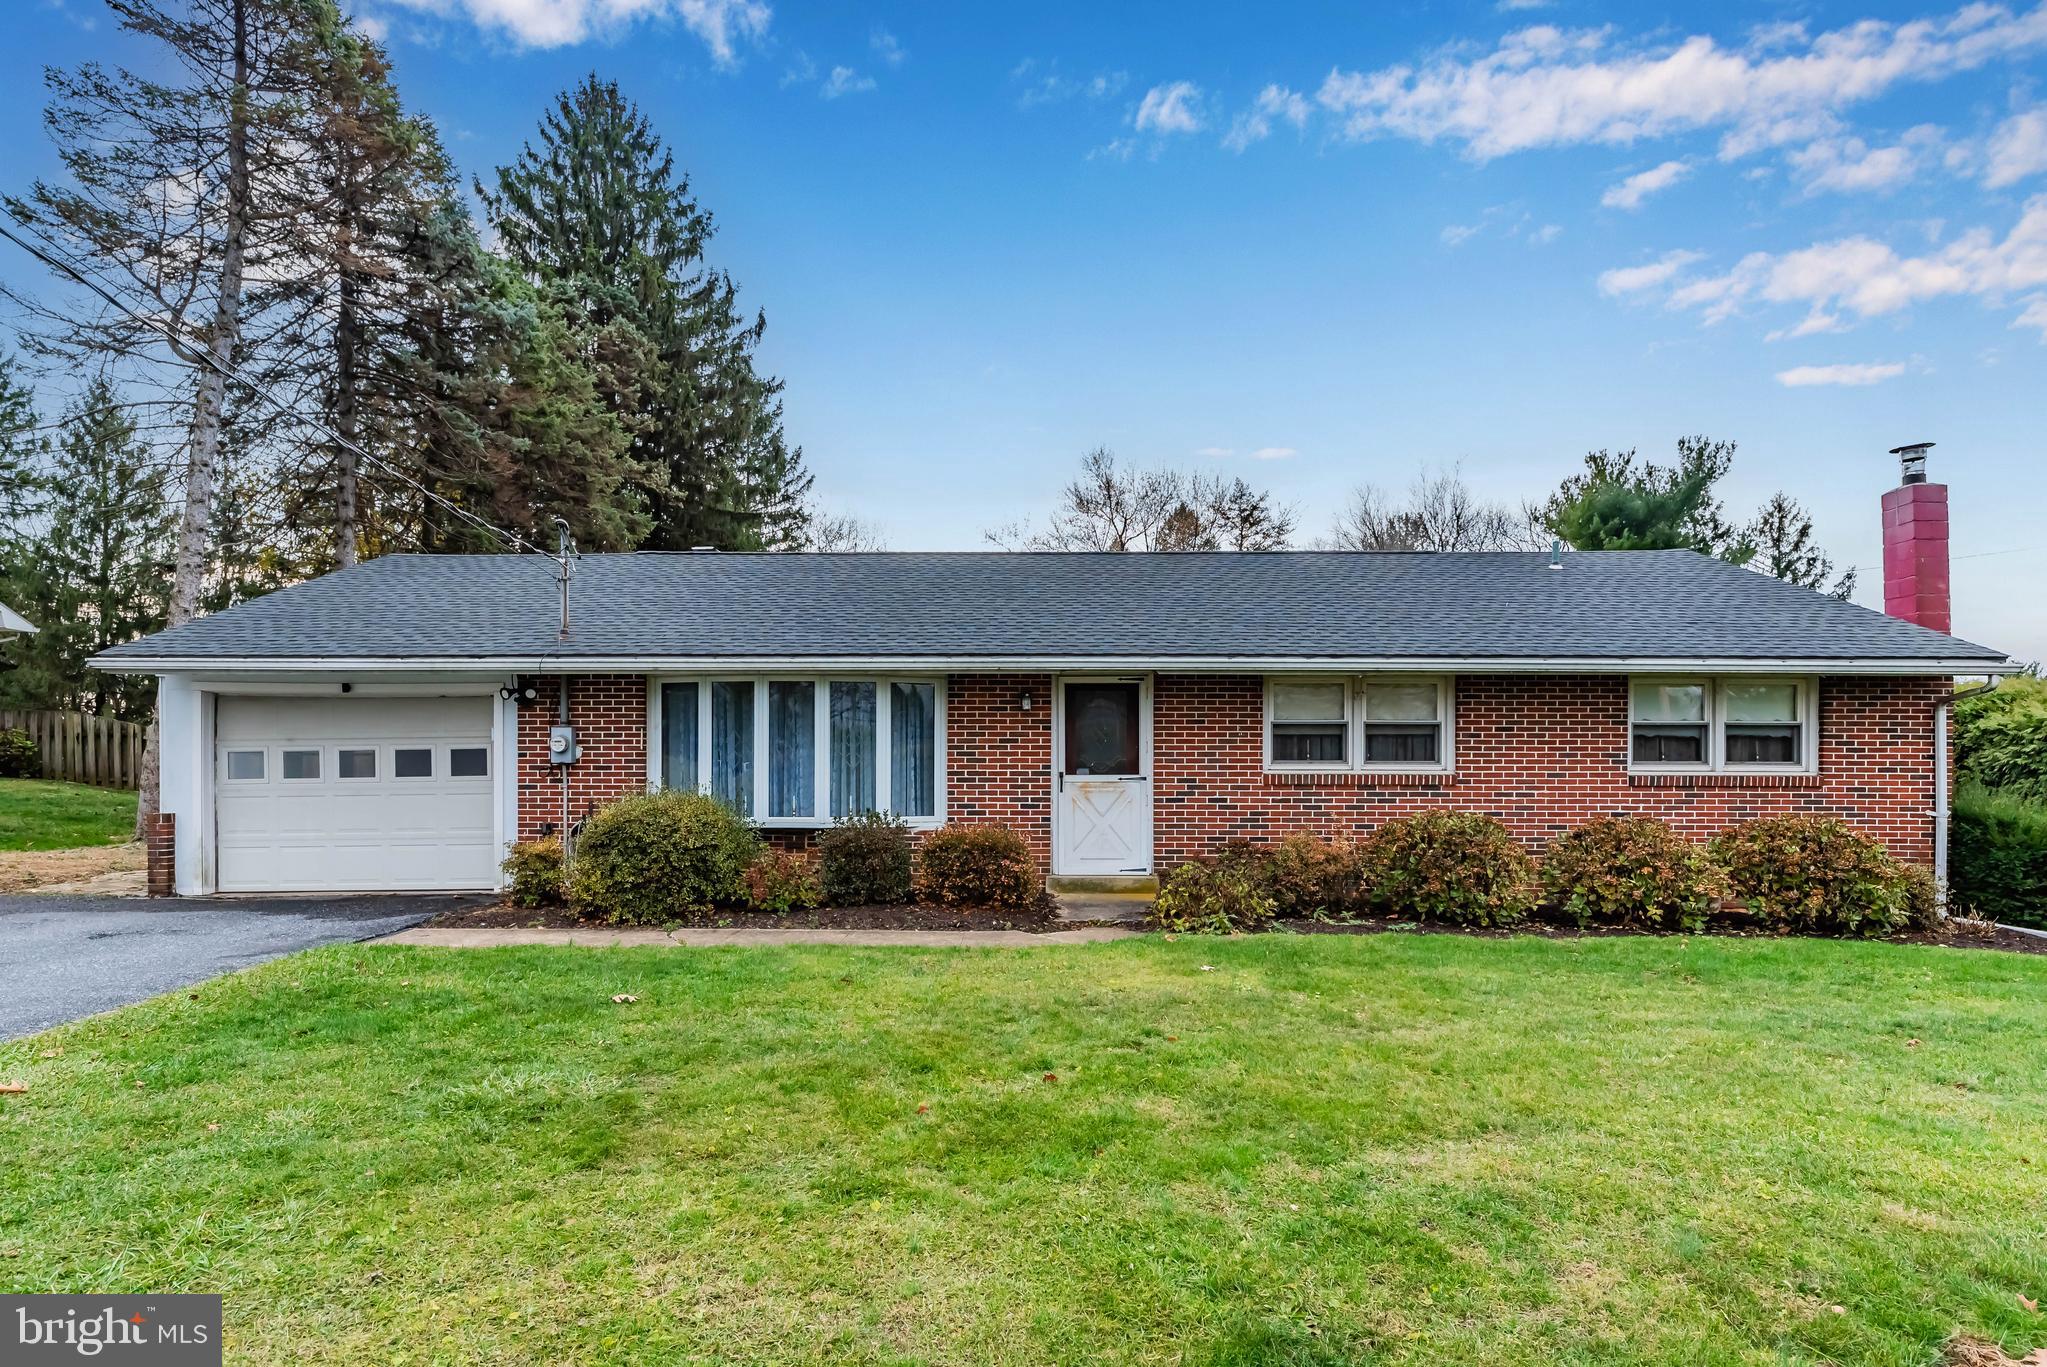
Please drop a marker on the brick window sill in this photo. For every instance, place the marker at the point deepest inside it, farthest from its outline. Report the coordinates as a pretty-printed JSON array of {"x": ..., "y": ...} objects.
[
  {"x": 1723, "y": 780},
  {"x": 1351, "y": 778}
]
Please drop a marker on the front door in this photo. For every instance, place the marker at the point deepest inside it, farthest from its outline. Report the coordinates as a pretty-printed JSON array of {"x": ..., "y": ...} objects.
[{"x": 1102, "y": 804}]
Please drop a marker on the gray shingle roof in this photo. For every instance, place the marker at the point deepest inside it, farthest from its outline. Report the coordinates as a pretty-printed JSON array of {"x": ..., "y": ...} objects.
[{"x": 963, "y": 606}]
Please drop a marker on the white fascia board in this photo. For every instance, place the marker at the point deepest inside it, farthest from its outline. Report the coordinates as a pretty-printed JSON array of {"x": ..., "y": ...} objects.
[{"x": 322, "y": 669}]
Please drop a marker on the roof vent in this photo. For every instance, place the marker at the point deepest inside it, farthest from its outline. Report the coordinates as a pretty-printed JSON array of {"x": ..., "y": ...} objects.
[
  {"x": 1912, "y": 461},
  {"x": 1556, "y": 553}
]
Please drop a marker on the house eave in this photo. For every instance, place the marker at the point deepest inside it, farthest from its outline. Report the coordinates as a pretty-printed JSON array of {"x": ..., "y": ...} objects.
[{"x": 1042, "y": 664}]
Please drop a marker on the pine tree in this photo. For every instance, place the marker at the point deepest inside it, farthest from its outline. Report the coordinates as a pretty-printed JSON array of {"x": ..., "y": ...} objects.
[
  {"x": 1782, "y": 533},
  {"x": 22, "y": 448},
  {"x": 100, "y": 574},
  {"x": 596, "y": 207},
  {"x": 1616, "y": 504}
]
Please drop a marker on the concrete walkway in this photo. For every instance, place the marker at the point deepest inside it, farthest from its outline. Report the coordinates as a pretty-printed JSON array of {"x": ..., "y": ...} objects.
[{"x": 462, "y": 937}]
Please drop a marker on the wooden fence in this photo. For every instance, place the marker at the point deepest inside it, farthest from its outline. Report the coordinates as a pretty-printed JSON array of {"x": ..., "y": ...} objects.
[{"x": 84, "y": 749}]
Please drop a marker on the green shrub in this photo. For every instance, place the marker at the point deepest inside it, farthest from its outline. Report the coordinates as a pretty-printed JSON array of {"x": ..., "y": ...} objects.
[
  {"x": 1311, "y": 876},
  {"x": 866, "y": 861},
  {"x": 1221, "y": 896},
  {"x": 1997, "y": 856},
  {"x": 1815, "y": 875},
  {"x": 651, "y": 857},
  {"x": 19, "y": 757},
  {"x": 1447, "y": 866},
  {"x": 533, "y": 872},
  {"x": 978, "y": 866},
  {"x": 2001, "y": 738},
  {"x": 1631, "y": 871},
  {"x": 782, "y": 881}
]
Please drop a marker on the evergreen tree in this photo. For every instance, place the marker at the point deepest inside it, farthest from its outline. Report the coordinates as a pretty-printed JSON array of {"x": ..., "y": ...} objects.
[
  {"x": 1618, "y": 504},
  {"x": 596, "y": 207},
  {"x": 22, "y": 449},
  {"x": 1782, "y": 533},
  {"x": 100, "y": 574}
]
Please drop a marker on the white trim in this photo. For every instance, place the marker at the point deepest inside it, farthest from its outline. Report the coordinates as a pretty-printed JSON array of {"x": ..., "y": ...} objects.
[
  {"x": 862, "y": 665},
  {"x": 1716, "y": 727},
  {"x": 821, "y": 801}
]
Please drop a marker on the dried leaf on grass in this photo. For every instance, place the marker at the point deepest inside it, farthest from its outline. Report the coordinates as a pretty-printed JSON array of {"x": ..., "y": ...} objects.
[
  {"x": 13, "y": 1088},
  {"x": 1964, "y": 1351},
  {"x": 623, "y": 998}
]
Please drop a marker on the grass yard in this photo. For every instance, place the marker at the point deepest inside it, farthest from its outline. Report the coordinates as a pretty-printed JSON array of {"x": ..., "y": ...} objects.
[
  {"x": 38, "y": 814},
  {"x": 1383, "y": 1149}
]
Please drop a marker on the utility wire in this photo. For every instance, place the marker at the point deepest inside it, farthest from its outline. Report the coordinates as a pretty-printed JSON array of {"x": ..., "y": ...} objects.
[{"x": 200, "y": 357}]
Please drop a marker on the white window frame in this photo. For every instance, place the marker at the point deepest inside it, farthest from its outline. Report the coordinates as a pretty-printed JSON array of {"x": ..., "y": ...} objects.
[
  {"x": 821, "y": 799},
  {"x": 1354, "y": 726},
  {"x": 1716, "y": 762}
]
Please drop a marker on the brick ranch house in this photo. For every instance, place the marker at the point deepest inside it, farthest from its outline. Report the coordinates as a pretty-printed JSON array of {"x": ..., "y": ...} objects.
[{"x": 394, "y": 725}]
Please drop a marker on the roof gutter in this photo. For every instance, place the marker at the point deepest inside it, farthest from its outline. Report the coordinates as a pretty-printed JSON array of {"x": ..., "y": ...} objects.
[{"x": 926, "y": 664}]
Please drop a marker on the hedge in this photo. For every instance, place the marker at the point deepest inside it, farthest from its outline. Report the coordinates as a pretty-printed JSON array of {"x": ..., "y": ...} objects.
[{"x": 1997, "y": 856}]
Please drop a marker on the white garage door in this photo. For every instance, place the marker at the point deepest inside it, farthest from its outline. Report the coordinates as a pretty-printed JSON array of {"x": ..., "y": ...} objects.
[{"x": 330, "y": 794}]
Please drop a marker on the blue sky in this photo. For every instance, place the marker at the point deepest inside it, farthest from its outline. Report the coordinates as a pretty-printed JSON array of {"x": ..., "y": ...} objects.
[{"x": 1324, "y": 244}]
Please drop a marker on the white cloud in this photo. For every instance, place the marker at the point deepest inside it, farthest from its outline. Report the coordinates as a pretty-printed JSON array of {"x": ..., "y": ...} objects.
[
  {"x": 1630, "y": 193},
  {"x": 1457, "y": 234},
  {"x": 1805, "y": 376},
  {"x": 1116, "y": 149},
  {"x": 2017, "y": 149},
  {"x": 844, "y": 80},
  {"x": 1812, "y": 325},
  {"x": 884, "y": 45},
  {"x": 1635, "y": 279},
  {"x": 1048, "y": 85},
  {"x": 1510, "y": 6},
  {"x": 1274, "y": 453},
  {"x": 2034, "y": 315},
  {"x": 1868, "y": 278},
  {"x": 1850, "y": 164},
  {"x": 1255, "y": 124},
  {"x": 1214, "y": 452},
  {"x": 800, "y": 71},
  {"x": 1173, "y": 108},
  {"x": 1544, "y": 87},
  {"x": 721, "y": 25},
  {"x": 1546, "y": 234}
]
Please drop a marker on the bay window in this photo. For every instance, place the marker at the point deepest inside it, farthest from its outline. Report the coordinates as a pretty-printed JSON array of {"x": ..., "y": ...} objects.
[
  {"x": 797, "y": 751},
  {"x": 1729, "y": 724},
  {"x": 1388, "y": 723}
]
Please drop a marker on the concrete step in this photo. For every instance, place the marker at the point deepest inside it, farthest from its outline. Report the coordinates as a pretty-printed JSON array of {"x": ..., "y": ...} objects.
[
  {"x": 1059, "y": 884},
  {"x": 1128, "y": 908}
]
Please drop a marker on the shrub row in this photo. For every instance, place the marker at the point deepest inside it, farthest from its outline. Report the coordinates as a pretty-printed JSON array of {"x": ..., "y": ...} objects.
[
  {"x": 653, "y": 857},
  {"x": 19, "y": 755},
  {"x": 1806, "y": 874}
]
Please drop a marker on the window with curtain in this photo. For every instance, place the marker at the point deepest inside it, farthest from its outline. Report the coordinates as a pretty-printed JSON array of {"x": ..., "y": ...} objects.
[
  {"x": 1763, "y": 722},
  {"x": 732, "y": 743},
  {"x": 1310, "y": 721},
  {"x": 1669, "y": 721},
  {"x": 913, "y": 749},
  {"x": 1403, "y": 721},
  {"x": 853, "y": 755},
  {"x": 805, "y": 751},
  {"x": 679, "y": 735},
  {"x": 792, "y": 748}
]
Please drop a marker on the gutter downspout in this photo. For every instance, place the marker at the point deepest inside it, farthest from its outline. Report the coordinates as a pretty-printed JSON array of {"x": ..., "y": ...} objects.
[{"x": 1943, "y": 786}]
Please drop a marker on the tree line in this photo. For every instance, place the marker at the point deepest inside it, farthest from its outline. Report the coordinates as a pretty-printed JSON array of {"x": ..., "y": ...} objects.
[
  {"x": 252, "y": 229},
  {"x": 1617, "y": 501}
]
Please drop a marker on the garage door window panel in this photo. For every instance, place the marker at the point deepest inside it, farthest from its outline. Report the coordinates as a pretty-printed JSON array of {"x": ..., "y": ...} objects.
[
  {"x": 469, "y": 761},
  {"x": 355, "y": 764},
  {"x": 300, "y": 766},
  {"x": 409, "y": 761},
  {"x": 245, "y": 766}
]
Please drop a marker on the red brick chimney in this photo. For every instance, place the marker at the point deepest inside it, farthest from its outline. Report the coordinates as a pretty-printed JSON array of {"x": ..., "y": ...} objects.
[{"x": 1915, "y": 544}]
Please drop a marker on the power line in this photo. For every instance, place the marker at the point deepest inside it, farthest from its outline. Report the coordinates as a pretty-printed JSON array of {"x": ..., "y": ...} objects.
[{"x": 201, "y": 357}]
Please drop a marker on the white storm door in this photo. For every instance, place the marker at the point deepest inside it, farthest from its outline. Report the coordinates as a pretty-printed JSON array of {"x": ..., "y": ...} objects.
[{"x": 1101, "y": 810}]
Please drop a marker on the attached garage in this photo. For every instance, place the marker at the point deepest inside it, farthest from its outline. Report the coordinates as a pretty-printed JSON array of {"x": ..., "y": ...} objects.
[{"x": 321, "y": 794}]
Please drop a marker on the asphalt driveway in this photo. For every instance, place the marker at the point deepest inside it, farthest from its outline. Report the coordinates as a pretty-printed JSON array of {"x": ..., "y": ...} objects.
[{"x": 66, "y": 957}]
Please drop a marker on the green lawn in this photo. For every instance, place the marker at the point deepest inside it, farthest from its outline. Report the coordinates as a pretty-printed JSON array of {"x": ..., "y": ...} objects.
[
  {"x": 1397, "y": 1149},
  {"x": 36, "y": 814}
]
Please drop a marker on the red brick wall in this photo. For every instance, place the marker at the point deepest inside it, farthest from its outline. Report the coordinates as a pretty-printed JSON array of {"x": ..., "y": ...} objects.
[
  {"x": 1542, "y": 753},
  {"x": 609, "y": 712},
  {"x": 161, "y": 853}
]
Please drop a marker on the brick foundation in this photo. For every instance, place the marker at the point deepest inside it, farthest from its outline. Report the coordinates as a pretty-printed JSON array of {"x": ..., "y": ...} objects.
[
  {"x": 1541, "y": 752},
  {"x": 163, "y": 855}
]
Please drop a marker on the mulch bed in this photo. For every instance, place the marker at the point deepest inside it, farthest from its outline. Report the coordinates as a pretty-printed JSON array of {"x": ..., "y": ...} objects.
[
  {"x": 909, "y": 917},
  {"x": 1045, "y": 919}
]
